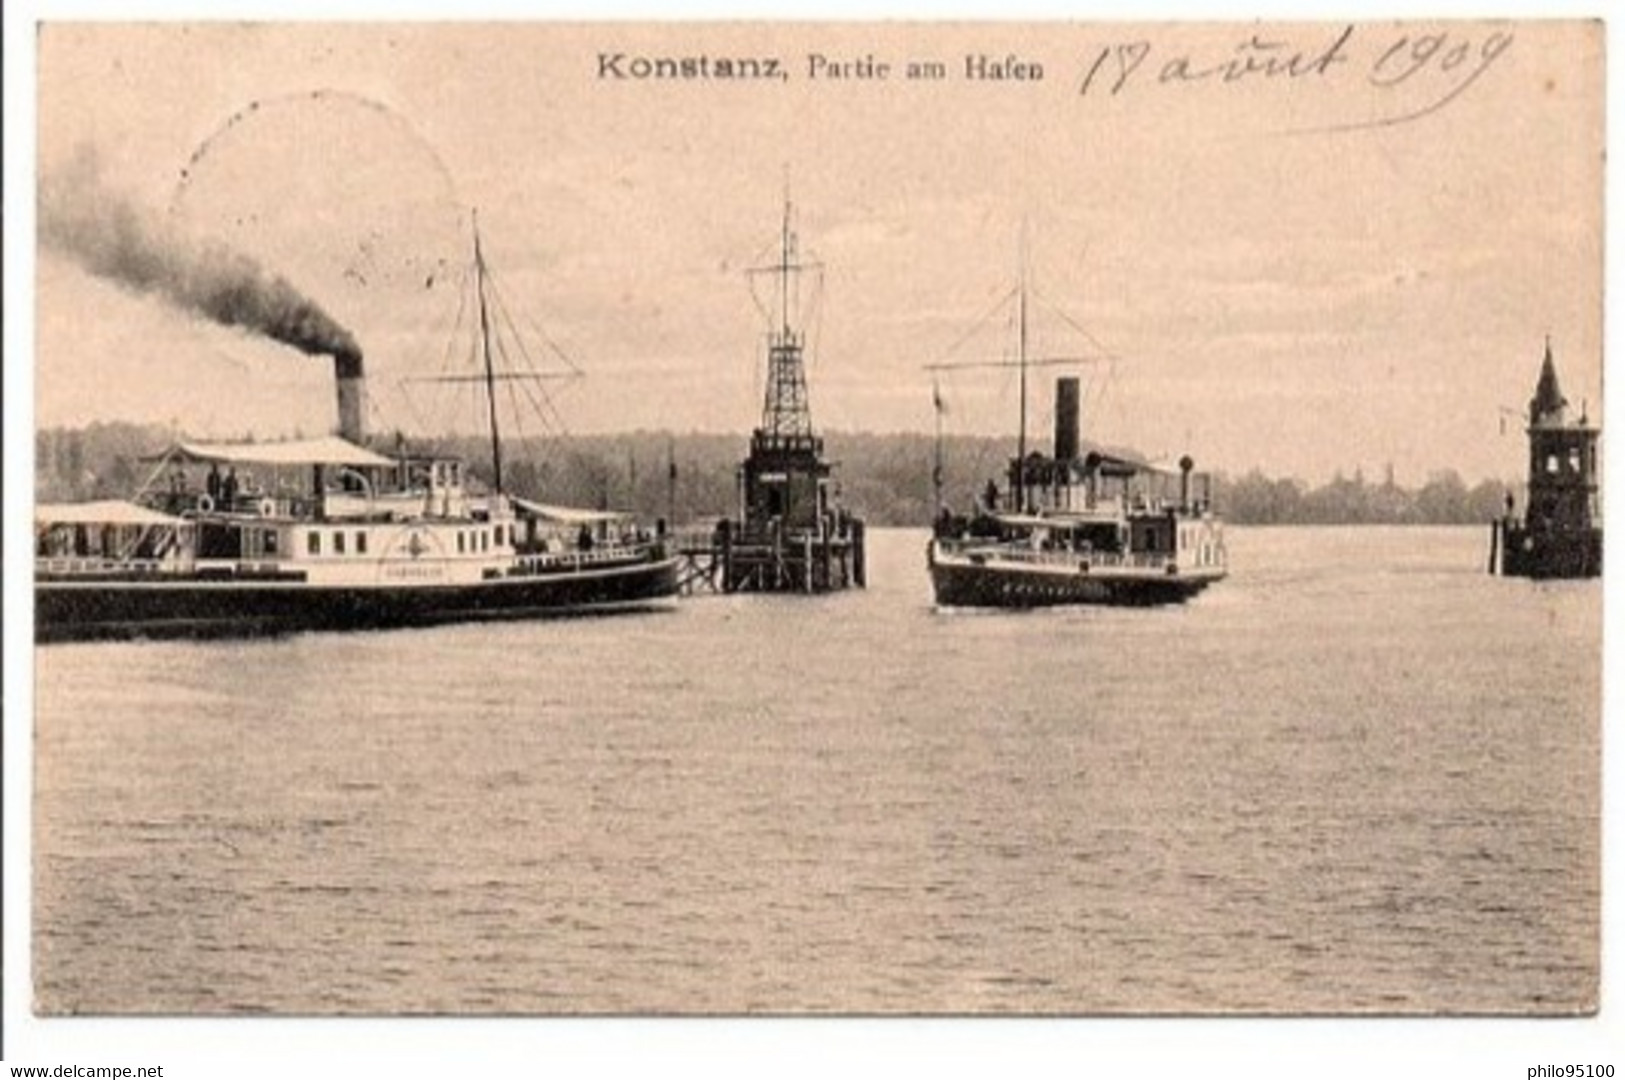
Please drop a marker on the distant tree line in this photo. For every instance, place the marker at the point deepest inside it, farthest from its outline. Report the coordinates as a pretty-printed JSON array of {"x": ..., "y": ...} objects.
[
  {"x": 1445, "y": 499},
  {"x": 691, "y": 478}
]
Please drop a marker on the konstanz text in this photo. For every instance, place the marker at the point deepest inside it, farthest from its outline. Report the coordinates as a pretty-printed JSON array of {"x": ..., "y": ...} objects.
[{"x": 737, "y": 68}]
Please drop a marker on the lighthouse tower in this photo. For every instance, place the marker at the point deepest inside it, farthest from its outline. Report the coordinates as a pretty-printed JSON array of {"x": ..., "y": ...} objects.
[
  {"x": 1559, "y": 536},
  {"x": 790, "y": 536}
]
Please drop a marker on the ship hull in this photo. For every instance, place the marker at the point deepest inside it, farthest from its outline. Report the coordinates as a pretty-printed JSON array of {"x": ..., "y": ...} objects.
[
  {"x": 190, "y": 606},
  {"x": 962, "y": 583}
]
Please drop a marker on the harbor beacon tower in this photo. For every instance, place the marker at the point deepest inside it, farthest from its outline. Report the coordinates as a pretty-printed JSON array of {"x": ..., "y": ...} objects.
[
  {"x": 1560, "y": 535},
  {"x": 790, "y": 536}
]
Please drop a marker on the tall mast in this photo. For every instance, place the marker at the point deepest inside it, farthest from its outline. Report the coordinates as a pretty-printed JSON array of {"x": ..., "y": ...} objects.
[
  {"x": 785, "y": 413},
  {"x": 671, "y": 480},
  {"x": 485, "y": 348},
  {"x": 936, "y": 464},
  {"x": 1021, "y": 363},
  {"x": 784, "y": 266}
]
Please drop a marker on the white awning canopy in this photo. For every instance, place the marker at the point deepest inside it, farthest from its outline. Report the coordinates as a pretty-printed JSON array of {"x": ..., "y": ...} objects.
[
  {"x": 1022, "y": 520},
  {"x": 102, "y": 512},
  {"x": 327, "y": 450},
  {"x": 565, "y": 515},
  {"x": 1065, "y": 519},
  {"x": 1121, "y": 462}
]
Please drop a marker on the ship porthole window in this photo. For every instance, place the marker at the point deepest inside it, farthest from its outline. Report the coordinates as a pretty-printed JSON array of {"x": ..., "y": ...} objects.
[
  {"x": 360, "y": 543},
  {"x": 338, "y": 543},
  {"x": 1574, "y": 459},
  {"x": 313, "y": 543},
  {"x": 461, "y": 543}
]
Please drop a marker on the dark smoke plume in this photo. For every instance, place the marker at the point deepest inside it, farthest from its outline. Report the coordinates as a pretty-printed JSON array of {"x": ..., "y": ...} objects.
[{"x": 112, "y": 238}]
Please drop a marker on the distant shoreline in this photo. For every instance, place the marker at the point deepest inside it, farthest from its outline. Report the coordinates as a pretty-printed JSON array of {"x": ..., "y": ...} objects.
[{"x": 884, "y": 477}]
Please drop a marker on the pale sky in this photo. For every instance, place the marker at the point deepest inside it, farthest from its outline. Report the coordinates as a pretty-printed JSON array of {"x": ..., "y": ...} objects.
[{"x": 1288, "y": 273}]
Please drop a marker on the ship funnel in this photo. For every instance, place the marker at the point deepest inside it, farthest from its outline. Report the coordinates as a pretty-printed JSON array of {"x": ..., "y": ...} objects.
[
  {"x": 1066, "y": 418},
  {"x": 351, "y": 393}
]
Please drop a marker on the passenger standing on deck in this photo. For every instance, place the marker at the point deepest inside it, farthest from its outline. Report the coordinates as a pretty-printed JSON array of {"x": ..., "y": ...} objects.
[
  {"x": 177, "y": 490},
  {"x": 214, "y": 484},
  {"x": 228, "y": 489}
]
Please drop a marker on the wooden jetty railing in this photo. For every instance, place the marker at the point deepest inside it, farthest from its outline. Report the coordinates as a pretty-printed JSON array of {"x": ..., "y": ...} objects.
[{"x": 711, "y": 560}]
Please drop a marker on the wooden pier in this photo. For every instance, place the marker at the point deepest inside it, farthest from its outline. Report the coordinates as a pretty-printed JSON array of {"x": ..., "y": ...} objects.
[
  {"x": 699, "y": 569},
  {"x": 728, "y": 559}
]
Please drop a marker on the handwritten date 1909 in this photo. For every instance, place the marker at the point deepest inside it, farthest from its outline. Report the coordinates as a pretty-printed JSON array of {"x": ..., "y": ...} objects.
[{"x": 1445, "y": 63}]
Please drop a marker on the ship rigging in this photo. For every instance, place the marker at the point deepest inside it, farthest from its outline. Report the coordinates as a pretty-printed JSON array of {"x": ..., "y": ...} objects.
[{"x": 1095, "y": 527}]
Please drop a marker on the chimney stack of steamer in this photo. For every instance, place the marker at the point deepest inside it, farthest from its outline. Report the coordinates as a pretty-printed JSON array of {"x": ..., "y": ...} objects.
[
  {"x": 352, "y": 396},
  {"x": 1066, "y": 418}
]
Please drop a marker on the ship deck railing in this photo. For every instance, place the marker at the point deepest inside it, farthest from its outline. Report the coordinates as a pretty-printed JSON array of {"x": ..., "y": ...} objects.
[
  {"x": 104, "y": 565},
  {"x": 688, "y": 538},
  {"x": 1004, "y": 552},
  {"x": 752, "y": 534},
  {"x": 91, "y": 565},
  {"x": 540, "y": 562},
  {"x": 706, "y": 538},
  {"x": 1112, "y": 508}
]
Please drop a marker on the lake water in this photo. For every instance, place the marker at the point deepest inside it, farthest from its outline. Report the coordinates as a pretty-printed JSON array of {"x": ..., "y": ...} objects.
[{"x": 1358, "y": 776}]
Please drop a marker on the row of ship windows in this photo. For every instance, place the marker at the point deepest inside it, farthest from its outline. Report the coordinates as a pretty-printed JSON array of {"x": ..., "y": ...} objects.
[
  {"x": 467, "y": 541},
  {"x": 478, "y": 541},
  {"x": 313, "y": 542}
]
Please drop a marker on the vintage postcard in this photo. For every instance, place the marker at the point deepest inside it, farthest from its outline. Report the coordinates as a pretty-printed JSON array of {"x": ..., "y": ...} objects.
[{"x": 746, "y": 519}]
